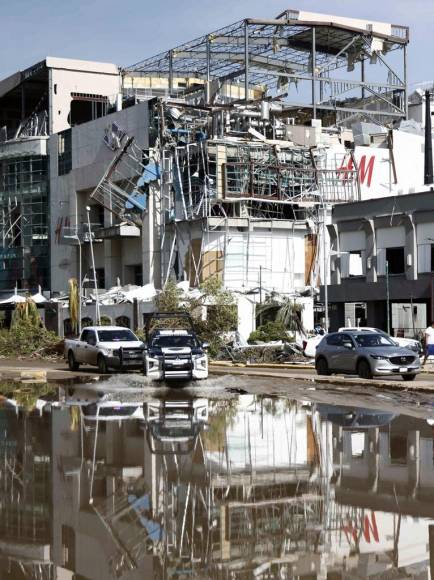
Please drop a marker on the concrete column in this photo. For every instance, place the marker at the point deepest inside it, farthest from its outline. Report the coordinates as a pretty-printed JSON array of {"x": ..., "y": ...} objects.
[
  {"x": 410, "y": 252},
  {"x": 151, "y": 254},
  {"x": 371, "y": 251},
  {"x": 413, "y": 463},
  {"x": 373, "y": 458},
  {"x": 335, "y": 266},
  {"x": 112, "y": 262},
  {"x": 150, "y": 473}
]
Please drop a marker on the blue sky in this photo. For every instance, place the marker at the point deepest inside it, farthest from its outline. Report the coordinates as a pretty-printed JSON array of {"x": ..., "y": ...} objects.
[{"x": 127, "y": 31}]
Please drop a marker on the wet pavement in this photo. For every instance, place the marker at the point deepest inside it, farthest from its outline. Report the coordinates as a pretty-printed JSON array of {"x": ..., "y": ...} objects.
[{"x": 232, "y": 478}]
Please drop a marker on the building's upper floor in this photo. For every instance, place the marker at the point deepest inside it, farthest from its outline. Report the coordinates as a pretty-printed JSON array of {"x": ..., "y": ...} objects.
[
  {"x": 393, "y": 235},
  {"x": 55, "y": 94}
]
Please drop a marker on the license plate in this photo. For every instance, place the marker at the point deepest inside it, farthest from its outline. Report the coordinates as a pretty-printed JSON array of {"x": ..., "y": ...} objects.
[{"x": 403, "y": 369}]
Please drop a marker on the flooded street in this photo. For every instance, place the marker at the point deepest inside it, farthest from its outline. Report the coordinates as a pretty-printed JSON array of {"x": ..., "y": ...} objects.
[{"x": 125, "y": 480}]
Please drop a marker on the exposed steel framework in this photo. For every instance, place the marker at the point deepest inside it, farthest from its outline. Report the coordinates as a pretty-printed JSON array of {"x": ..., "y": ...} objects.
[{"x": 279, "y": 54}]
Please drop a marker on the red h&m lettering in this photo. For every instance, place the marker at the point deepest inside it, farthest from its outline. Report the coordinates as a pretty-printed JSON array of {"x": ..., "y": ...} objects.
[
  {"x": 365, "y": 169},
  {"x": 367, "y": 528}
]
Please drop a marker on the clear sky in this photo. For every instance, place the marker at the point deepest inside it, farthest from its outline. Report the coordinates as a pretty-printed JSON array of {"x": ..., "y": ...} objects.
[{"x": 126, "y": 31}]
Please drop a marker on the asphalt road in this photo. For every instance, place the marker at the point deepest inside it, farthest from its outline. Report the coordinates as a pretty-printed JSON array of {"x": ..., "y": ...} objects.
[{"x": 57, "y": 370}]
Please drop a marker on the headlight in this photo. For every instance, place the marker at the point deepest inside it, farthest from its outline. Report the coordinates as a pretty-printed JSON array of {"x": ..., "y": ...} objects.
[
  {"x": 110, "y": 351},
  {"x": 201, "y": 360},
  {"x": 379, "y": 357}
]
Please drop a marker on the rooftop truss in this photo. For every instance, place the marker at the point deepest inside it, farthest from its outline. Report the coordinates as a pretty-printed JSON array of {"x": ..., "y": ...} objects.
[{"x": 277, "y": 53}]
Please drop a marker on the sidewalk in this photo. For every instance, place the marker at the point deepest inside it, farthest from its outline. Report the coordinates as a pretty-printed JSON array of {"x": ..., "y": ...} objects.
[
  {"x": 42, "y": 371},
  {"x": 423, "y": 382}
]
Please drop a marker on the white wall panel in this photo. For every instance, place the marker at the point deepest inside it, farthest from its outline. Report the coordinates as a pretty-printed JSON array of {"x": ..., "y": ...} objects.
[
  {"x": 424, "y": 258},
  {"x": 352, "y": 241},
  {"x": 424, "y": 232},
  {"x": 390, "y": 237}
]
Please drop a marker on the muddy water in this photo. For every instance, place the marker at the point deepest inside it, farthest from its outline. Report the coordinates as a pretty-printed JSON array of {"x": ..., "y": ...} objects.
[{"x": 125, "y": 481}]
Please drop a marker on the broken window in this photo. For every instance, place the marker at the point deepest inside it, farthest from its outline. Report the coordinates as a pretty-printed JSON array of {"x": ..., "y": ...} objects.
[
  {"x": 357, "y": 444},
  {"x": 87, "y": 107},
  {"x": 395, "y": 259},
  {"x": 398, "y": 449},
  {"x": 353, "y": 264}
]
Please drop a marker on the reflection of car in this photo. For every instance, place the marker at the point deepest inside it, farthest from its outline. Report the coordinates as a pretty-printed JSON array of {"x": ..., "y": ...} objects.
[
  {"x": 112, "y": 411},
  {"x": 107, "y": 347},
  {"x": 366, "y": 354},
  {"x": 410, "y": 343},
  {"x": 354, "y": 417},
  {"x": 173, "y": 426}
]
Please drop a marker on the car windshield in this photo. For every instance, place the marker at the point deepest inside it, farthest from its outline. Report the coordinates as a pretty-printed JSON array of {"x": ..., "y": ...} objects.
[
  {"x": 123, "y": 335},
  {"x": 373, "y": 339},
  {"x": 170, "y": 341}
]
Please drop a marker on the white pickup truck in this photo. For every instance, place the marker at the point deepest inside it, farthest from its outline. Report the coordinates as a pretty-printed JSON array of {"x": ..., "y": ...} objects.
[{"x": 107, "y": 347}]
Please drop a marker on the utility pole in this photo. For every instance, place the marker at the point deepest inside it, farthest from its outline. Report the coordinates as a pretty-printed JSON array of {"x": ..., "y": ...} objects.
[
  {"x": 98, "y": 319},
  {"x": 260, "y": 284},
  {"x": 326, "y": 293},
  {"x": 387, "y": 297},
  {"x": 80, "y": 257}
]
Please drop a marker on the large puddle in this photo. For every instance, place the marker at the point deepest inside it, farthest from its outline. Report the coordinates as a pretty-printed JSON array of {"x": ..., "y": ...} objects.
[{"x": 104, "y": 482}]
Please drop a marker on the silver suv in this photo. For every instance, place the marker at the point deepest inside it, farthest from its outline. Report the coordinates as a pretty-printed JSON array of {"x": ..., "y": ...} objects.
[{"x": 366, "y": 354}]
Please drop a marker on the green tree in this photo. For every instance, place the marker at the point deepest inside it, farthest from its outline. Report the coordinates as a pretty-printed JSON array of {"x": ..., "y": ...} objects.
[{"x": 214, "y": 312}]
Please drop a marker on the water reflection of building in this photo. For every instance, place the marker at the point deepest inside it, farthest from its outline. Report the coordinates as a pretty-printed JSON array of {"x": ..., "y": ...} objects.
[
  {"x": 386, "y": 475},
  {"x": 103, "y": 459},
  {"x": 246, "y": 488},
  {"x": 25, "y": 503}
]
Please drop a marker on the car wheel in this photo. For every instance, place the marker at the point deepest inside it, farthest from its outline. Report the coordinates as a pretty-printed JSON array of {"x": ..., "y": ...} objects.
[
  {"x": 102, "y": 365},
  {"x": 72, "y": 363},
  {"x": 408, "y": 377},
  {"x": 322, "y": 368},
  {"x": 364, "y": 370}
]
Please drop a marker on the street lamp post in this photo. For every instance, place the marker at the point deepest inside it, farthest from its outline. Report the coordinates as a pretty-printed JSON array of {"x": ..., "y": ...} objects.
[
  {"x": 325, "y": 263},
  {"x": 80, "y": 294},
  {"x": 387, "y": 297},
  {"x": 98, "y": 319}
]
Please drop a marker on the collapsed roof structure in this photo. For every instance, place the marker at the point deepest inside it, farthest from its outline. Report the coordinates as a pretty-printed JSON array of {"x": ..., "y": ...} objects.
[{"x": 273, "y": 58}]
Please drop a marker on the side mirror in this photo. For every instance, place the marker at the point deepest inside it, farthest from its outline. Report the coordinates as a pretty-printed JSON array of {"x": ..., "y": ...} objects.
[
  {"x": 205, "y": 345},
  {"x": 92, "y": 341},
  {"x": 348, "y": 345}
]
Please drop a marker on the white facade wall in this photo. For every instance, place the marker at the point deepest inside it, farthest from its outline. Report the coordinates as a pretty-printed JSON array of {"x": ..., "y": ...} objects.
[
  {"x": 274, "y": 259},
  {"x": 375, "y": 165},
  {"x": 68, "y": 76},
  {"x": 70, "y": 195}
]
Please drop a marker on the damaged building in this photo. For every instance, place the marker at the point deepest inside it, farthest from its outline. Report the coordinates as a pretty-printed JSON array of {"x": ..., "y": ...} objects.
[{"x": 222, "y": 156}]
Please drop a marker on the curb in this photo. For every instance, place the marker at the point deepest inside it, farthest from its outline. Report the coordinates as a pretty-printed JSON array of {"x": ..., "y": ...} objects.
[
  {"x": 229, "y": 364},
  {"x": 346, "y": 382},
  {"x": 281, "y": 366}
]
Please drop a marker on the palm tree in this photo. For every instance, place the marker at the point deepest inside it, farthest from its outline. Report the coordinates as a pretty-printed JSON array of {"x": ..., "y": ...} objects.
[
  {"x": 289, "y": 314},
  {"x": 73, "y": 303}
]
